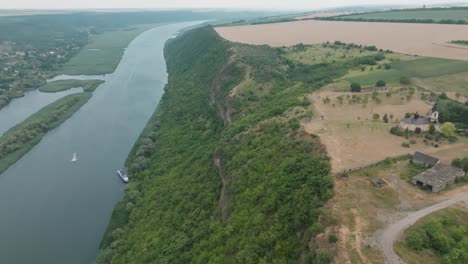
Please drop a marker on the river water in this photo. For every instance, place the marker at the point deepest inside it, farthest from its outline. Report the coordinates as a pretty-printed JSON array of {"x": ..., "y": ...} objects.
[
  {"x": 21, "y": 108},
  {"x": 56, "y": 211}
]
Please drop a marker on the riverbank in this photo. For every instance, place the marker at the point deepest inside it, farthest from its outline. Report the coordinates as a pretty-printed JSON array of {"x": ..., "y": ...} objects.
[
  {"x": 23, "y": 137},
  {"x": 63, "y": 85}
]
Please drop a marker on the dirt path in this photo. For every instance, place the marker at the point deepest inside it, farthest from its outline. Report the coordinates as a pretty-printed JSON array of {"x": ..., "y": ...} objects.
[{"x": 393, "y": 232}]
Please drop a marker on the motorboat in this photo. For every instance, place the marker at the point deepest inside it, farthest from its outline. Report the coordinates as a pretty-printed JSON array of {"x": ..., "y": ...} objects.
[{"x": 123, "y": 175}]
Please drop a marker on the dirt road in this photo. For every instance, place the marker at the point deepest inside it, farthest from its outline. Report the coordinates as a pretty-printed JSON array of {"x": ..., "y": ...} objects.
[{"x": 390, "y": 235}]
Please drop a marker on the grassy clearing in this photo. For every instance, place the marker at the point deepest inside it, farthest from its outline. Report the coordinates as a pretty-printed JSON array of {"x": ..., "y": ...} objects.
[
  {"x": 431, "y": 67},
  {"x": 62, "y": 85},
  {"x": 103, "y": 53},
  {"x": 23, "y": 137},
  {"x": 455, "y": 83},
  {"x": 448, "y": 230},
  {"x": 437, "y": 15},
  {"x": 420, "y": 68}
]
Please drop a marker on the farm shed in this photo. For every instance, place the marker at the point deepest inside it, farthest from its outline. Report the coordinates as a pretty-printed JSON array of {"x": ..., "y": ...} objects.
[
  {"x": 378, "y": 182},
  {"x": 425, "y": 160},
  {"x": 438, "y": 177}
]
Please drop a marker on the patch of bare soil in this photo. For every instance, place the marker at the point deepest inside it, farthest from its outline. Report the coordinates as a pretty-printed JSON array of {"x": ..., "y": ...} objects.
[{"x": 429, "y": 40}]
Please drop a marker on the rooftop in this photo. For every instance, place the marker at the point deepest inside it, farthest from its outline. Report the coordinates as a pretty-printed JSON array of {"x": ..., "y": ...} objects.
[
  {"x": 426, "y": 159},
  {"x": 439, "y": 175}
]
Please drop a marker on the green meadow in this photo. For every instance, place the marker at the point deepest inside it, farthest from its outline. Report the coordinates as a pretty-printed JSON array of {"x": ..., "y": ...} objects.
[
  {"x": 103, "y": 53},
  {"x": 420, "y": 68}
]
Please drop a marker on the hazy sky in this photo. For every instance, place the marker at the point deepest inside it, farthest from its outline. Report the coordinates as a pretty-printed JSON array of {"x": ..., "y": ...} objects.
[{"x": 257, "y": 4}]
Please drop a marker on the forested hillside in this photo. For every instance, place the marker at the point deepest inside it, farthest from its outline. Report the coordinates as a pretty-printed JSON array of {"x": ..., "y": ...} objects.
[{"x": 223, "y": 173}]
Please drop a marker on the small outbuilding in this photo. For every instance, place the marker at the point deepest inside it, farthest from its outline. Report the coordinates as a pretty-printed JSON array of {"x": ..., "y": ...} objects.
[
  {"x": 438, "y": 177},
  {"x": 424, "y": 160},
  {"x": 378, "y": 182}
]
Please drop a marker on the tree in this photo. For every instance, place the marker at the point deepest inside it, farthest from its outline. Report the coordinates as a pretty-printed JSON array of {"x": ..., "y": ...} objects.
[
  {"x": 385, "y": 118},
  {"x": 355, "y": 87},
  {"x": 461, "y": 163},
  {"x": 380, "y": 83},
  {"x": 448, "y": 129},
  {"x": 432, "y": 129},
  {"x": 376, "y": 116},
  {"x": 443, "y": 96}
]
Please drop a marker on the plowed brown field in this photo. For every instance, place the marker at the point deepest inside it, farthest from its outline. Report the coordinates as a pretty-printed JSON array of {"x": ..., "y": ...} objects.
[{"x": 429, "y": 40}]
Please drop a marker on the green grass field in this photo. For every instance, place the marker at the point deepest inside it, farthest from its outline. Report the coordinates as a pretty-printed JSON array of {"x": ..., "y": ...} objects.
[
  {"x": 103, "y": 53},
  {"x": 62, "y": 85},
  {"x": 419, "y": 14},
  {"x": 420, "y": 68},
  {"x": 18, "y": 140}
]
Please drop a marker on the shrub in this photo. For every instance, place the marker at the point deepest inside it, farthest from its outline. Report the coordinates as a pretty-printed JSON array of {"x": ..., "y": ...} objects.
[
  {"x": 355, "y": 87},
  {"x": 448, "y": 129},
  {"x": 385, "y": 118},
  {"x": 387, "y": 66},
  {"x": 416, "y": 239},
  {"x": 396, "y": 131},
  {"x": 443, "y": 96},
  {"x": 461, "y": 163},
  {"x": 332, "y": 238},
  {"x": 324, "y": 257},
  {"x": 405, "y": 80},
  {"x": 380, "y": 83},
  {"x": 405, "y": 144}
]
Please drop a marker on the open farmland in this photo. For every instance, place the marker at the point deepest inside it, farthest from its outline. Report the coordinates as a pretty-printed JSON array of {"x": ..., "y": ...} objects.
[
  {"x": 353, "y": 138},
  {"x": 436, "y": 15},
  {"x": 428, "y": 40}
]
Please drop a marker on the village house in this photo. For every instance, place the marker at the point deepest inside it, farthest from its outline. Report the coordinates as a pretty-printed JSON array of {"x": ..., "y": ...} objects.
[
  {"x": 423, "y": 124},
  {"x": 438, "y": 177}
]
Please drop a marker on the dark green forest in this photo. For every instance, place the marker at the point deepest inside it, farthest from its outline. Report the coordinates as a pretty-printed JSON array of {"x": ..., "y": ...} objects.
[{"x": 223, "y": 172}]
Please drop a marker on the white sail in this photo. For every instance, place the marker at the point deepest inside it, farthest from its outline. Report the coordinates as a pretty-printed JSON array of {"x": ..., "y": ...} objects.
[{"x": 75, "y": 158}]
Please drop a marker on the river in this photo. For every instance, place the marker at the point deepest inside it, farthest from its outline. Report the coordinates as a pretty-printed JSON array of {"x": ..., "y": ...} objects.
[
  {"x": 21, "y": 108},
  {"x": 56, "y": 211}
]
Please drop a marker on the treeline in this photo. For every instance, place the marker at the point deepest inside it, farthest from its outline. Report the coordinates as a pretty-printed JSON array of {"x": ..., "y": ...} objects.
[
  {"x": 63, "y": 85},
  {"x": 460, "y": 42},
  {"x": 402, "y": 20},
  {"x": 20, "y": 139},
  {"x": 222, "y": 177},
  {"x": 452, "y": 111}
]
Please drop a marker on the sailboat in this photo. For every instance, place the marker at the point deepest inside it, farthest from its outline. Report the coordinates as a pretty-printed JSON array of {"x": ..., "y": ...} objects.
[{"x": 75, "y": 158}]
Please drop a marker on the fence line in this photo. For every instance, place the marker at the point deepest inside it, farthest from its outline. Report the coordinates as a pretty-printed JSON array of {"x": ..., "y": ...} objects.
[{"x": 367, "y": 165}]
